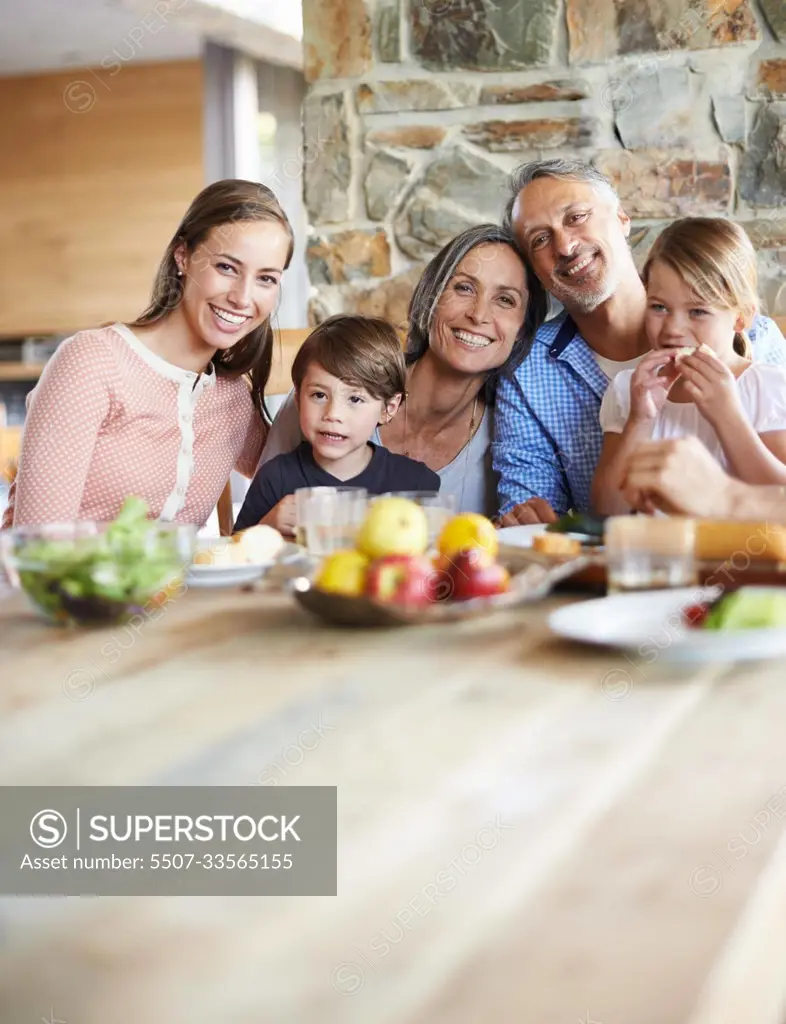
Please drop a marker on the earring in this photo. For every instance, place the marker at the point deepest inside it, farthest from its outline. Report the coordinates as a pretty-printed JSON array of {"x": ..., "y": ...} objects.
[{"x": 179, "y": 272}]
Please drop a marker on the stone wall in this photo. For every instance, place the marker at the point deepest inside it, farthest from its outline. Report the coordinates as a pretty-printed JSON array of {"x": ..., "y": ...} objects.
[{"x": 418, "y": 109}]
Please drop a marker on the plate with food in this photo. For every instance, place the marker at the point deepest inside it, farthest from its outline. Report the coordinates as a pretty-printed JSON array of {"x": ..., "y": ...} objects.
[
  {"x": 234, "y": 561},
  {"x": 686, "y": 624},
  {"x": 730, "y": 553},
  {"x": 392, "y": 577},
  {"x": 569, "y": 535}
]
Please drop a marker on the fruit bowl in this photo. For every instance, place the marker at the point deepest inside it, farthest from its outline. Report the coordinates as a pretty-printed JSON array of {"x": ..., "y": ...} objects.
[
  {"x": 91, "y": 574},
  {"x": 532, "y": 577}
]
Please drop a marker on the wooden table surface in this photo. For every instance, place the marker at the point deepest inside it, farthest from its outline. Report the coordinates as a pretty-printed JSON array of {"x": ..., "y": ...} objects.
[{"x": 529, "y": 831}]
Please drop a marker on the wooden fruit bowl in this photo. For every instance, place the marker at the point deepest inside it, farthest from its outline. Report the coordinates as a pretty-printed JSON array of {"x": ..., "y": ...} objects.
[{"x": 531, "y": 579}]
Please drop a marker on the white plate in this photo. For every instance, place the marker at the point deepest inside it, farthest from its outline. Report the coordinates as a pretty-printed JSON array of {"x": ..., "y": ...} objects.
[
  {"x": 225, "y": 575},
  {"x": 520, "y": 536},
  {"x": 237, "y": 575},
  {"x": 650, "y": 624}
]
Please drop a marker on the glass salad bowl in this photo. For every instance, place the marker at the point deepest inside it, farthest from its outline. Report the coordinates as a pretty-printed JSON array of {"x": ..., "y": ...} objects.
[{"x": 89, "y": 573}]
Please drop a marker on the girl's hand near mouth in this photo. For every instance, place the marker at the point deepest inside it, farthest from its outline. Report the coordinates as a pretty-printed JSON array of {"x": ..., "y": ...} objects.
[
  {"x": 652, "y": 380},
  {"x": 713, "y": 387}
]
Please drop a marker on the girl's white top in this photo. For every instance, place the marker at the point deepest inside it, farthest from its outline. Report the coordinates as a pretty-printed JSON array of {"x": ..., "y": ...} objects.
[{"x": 762, "y": 391}]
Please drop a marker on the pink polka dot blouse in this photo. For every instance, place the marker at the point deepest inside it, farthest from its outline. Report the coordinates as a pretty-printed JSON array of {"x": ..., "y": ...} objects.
[{"x": 109, "y": 418}]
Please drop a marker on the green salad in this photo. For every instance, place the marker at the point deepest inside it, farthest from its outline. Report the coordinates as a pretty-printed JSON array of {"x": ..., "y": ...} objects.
[
  {"x": 103, "y": 577},
  {"x": 748, "y": 608}
]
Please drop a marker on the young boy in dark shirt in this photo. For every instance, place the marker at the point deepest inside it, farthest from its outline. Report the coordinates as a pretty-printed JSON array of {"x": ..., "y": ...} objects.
[{"x": 349, "y": 377}]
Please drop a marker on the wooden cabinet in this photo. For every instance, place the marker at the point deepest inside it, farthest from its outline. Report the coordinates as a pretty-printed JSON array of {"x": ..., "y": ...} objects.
[{"x": 88, "y": 200}]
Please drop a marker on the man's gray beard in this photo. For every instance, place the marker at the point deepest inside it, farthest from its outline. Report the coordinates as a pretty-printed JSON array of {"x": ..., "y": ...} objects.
[{"x": 584, "y": 302}]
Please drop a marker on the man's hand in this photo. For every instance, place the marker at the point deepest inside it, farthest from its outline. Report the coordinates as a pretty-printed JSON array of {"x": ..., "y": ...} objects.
[
  {"x": 283, "y": 516},
  {"x": 678, "y": 477},
  {"x": 536, "y": 510}
]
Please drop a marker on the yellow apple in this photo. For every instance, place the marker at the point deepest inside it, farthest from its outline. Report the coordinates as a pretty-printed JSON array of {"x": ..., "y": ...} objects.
[
  {"x": 468, "y": 532},
  {"x": 393, "y": 526},
  {"x": 343, "y": 572}
]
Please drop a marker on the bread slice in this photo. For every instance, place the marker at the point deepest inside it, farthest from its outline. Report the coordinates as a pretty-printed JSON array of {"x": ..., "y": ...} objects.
[
  {"x": 690, "y": 350},
  {"x": 557, "y": 544},
  {"x": 257, "y": 545}
]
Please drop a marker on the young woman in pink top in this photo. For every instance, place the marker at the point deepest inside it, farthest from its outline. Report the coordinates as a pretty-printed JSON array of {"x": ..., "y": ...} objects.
[{"x": 166, "y": 406}]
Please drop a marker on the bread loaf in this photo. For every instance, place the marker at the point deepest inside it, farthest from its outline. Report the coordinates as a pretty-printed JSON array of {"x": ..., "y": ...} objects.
[{"x": 719, "y": 540}]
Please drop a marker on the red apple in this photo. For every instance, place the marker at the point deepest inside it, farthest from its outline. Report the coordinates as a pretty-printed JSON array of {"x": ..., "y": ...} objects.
[
  {"x": 401, "y": 579},
  {"x": 439, "y": 585},
  {"x": 474, "y": 573}
]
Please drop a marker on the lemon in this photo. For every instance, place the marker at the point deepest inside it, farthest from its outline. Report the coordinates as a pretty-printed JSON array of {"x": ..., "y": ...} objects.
[
  {"x": 343, "y": 572},
  {"x": 467, "y": 532}
]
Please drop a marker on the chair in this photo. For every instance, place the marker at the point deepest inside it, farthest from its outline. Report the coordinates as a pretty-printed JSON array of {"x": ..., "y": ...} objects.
[{"x": 10, "y": 443}]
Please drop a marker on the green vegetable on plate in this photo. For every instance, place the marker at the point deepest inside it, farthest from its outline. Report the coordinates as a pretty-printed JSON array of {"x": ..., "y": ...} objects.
[
  {"x": 583, "y": 523},
  {"x": 748, "y": 608}
]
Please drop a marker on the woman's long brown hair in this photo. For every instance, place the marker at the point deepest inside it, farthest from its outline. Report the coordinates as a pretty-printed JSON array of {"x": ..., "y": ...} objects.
[{"x": 219, "y": 205}]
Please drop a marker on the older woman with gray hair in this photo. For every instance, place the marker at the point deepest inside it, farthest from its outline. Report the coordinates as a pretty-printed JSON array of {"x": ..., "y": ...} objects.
[{"x": 472, "y": 318}]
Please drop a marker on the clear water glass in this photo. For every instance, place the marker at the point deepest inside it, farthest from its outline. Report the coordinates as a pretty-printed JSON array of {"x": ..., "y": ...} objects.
[
  {"x": 328, "y": 518},
  {"x": 439, "y": 508},
  {"x": 649, "y": 553}
]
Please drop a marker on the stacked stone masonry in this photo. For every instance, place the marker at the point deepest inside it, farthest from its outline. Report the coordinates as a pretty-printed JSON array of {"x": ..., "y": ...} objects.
[{"x": 419, "y": 109}]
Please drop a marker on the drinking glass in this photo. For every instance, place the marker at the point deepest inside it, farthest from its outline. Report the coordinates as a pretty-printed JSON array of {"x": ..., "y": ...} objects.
[
  {"x": 650, "y": 553},
  {"x": 439, "y": 508},
  {"x": 328, "y": 518}
]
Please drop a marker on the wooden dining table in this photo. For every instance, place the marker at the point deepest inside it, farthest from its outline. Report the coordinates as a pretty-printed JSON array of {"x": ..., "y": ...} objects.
[{"x": 529, "y": 831}]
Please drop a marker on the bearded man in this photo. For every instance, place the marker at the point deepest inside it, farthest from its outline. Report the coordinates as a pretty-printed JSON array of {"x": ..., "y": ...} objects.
[{"x": 569, "y": 224}]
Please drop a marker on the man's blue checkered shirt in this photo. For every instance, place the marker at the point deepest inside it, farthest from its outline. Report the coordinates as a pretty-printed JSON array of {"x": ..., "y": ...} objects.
[{"x": 546, "y": 423}]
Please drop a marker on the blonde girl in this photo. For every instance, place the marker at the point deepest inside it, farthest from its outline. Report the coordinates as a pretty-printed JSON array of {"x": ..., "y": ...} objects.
[{"x": 698, "y": 380}]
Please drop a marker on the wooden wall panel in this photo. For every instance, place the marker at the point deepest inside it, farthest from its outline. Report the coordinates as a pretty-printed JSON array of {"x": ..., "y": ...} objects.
[{"x": 89, "y": 199}]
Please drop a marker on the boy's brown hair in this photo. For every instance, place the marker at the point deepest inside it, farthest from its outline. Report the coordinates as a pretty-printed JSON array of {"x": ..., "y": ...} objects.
[{"x": 360, "y": 350}]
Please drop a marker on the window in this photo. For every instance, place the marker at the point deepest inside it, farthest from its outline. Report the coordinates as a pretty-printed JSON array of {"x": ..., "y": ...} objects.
[
  {"x": 281, "y": 92},
  {"x": 253, "y": 130}
]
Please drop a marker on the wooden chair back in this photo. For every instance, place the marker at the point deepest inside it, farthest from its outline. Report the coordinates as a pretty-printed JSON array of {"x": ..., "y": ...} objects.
[
  {"x": 284, "y": 352},
  {"x": 10, "y": 443}
]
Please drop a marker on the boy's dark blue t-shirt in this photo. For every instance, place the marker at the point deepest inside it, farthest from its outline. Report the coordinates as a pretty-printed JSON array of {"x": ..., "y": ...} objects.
[{"x": 287, "y": 473}]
